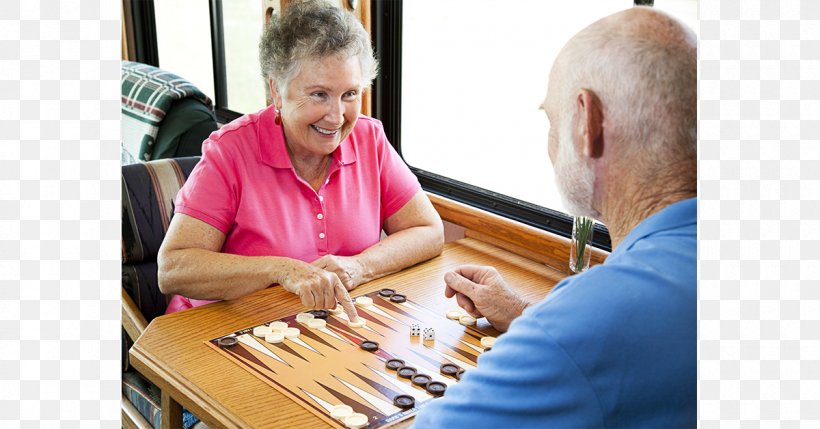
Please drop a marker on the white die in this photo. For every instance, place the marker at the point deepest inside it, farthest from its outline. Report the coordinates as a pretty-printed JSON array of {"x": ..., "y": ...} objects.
[
  {"x": 429, "y": 334},
  {"x": 415, "y": 330}
]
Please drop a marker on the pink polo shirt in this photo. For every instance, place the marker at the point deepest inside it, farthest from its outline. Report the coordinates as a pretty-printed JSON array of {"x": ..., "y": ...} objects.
[{"x": 246, "y": 187}]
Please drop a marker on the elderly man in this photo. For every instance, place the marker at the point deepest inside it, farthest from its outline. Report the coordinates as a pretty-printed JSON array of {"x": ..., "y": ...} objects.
[{"x": 616, "y": 345}]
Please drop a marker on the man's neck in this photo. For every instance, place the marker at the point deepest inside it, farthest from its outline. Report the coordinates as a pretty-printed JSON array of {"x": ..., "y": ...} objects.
[{"x": 624, "y": 208}]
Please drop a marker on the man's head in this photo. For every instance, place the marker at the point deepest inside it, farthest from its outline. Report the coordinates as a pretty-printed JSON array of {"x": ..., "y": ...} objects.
[{"x": 622, "y": 103}]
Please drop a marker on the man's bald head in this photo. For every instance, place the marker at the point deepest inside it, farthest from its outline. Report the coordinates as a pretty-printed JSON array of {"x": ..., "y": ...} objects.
[{"x": 642, "y": 66}]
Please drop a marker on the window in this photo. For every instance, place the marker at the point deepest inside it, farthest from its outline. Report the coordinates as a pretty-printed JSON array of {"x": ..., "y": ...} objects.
[
  {"x": 242, "y": 22},
  {"x": 473, "y": 77},
  {"x": 184, "y": 41},
  {"x": 470, "y": 76}
]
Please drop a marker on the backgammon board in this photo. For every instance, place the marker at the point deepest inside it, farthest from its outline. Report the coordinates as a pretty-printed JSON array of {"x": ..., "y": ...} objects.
[{"x": 326, "y": 367}]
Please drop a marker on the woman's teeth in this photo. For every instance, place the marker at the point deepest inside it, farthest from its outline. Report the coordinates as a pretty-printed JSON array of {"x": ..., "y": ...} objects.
[{"x": 324, "y": 131}]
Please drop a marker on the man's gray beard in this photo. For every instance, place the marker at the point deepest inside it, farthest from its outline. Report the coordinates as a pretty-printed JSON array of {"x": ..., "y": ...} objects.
[{"x": 575, "y": 181}]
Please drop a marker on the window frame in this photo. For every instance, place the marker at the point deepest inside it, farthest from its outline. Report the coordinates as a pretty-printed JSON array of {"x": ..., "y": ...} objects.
[
  {"x": 387, "y": 42},
  {"x": 145, "y": 31}
]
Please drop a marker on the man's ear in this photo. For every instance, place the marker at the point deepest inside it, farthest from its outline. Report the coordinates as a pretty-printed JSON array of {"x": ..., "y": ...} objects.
[
  {"x": 274, "y": 94},
  {"x": 590, "y": 123}
]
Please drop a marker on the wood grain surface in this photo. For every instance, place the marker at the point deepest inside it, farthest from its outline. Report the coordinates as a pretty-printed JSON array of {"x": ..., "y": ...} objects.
[{"x": 172, "y": 352}]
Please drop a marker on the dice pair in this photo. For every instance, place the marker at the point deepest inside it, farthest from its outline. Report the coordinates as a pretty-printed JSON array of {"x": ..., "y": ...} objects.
[{"x": 429, "y": 334}]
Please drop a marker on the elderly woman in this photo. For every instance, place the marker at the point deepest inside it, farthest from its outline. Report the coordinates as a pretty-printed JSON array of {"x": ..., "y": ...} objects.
[{"x": 299, "y": 192}]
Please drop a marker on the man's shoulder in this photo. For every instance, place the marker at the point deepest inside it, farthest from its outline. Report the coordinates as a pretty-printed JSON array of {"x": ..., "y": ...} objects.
[
  {"x": 647, "y": 265},
  {"x": 647, "y": 285}
]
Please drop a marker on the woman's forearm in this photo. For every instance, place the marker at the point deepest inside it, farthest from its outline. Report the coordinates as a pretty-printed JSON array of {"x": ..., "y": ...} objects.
[
  {"x": 400, "y": 250},
  {"x": 203, "y": 274}
]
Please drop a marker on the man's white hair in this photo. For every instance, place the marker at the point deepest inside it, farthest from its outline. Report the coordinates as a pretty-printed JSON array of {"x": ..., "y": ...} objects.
[{"x": 644, "y": 72}]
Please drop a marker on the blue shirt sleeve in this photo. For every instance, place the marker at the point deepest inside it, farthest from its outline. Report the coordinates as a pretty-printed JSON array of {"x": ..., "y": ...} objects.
[{"x": 526, "y": 380}]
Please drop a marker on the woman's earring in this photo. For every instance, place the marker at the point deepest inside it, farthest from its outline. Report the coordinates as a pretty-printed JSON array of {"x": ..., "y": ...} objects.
[{"x": 278, "y": 119}]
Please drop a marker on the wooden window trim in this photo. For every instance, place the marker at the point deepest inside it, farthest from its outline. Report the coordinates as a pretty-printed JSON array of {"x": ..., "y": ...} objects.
[{"x": 530, "y": 242}]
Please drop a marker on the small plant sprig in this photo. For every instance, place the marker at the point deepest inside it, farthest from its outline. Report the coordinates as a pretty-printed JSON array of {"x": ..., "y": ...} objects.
[{"x": 583, "y": 231}]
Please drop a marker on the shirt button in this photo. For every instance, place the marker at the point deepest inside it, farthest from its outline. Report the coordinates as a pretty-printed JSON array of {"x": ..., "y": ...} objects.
[
  {"x": 321, "y": 198},
  {"x": 319, "y": 216},
  {"x": 321, "y": 235},
  {"x": 327, "y": 181}
]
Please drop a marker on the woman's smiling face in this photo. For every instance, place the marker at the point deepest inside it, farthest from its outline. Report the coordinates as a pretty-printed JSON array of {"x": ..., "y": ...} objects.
[{"x": 321, "y": 104}]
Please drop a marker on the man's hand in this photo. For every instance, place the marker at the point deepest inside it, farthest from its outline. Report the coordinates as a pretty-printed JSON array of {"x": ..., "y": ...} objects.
[
  {"x": 348, "y": 269},
  {"x": 318, "y": 288},
  {"x": 482, "y": 292}
]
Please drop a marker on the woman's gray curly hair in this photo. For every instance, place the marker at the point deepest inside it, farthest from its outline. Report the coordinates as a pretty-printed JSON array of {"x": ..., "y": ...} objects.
[{"x": 312, "y": 29}]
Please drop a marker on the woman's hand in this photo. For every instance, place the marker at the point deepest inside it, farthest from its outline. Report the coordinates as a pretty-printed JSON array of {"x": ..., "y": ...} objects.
[
  {"x": 317, "y": 288},
  {"x": 482, "y": 292},
  {"x": 347, "y": 268}
]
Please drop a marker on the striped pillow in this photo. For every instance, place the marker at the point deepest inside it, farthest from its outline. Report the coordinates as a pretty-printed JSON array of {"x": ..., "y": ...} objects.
[{"x": 148, "y": 193}]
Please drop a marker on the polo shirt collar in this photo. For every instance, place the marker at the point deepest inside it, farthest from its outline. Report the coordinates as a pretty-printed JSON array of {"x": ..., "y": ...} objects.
[
  {"x": 274, "y": 152},
  {"x": 346, "y": 152},
  {"x": 675, "y": 215}
]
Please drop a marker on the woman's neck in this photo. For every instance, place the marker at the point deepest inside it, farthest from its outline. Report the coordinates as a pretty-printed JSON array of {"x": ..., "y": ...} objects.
[{"x": 312, "y": 169}]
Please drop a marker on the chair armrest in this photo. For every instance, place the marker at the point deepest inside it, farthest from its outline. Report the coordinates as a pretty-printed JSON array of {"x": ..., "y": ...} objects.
[{"x": 133, "y": 321}]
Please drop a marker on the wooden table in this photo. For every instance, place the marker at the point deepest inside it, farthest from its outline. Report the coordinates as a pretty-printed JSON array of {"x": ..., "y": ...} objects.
[{"x": 172, "y": 354}]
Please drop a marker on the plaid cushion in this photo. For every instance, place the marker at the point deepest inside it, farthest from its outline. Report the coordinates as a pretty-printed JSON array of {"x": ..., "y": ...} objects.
[
  {"x": 147, "y": 95},
  {"x": 146, "y": 399}
]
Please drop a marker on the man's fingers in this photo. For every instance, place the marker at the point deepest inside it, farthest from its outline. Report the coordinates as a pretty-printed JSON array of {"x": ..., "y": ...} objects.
[
  {"x": 466, "y": 303},
  {"x": 472, "y": 310},
  {"x": 464, "y": 290},
  {"x": 344, "y": 299},
  {"x": 472, "y": 272},
  {"x": 459, "y": 284}
]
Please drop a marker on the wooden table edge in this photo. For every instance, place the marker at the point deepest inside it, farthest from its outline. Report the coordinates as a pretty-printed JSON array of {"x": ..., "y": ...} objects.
[{"x": 214, "y": 415}]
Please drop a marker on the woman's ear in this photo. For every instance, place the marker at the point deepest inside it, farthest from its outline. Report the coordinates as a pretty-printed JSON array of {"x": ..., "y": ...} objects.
[
  {"x": 590, "y": 123},
  {"x": 274, "y": 94}
]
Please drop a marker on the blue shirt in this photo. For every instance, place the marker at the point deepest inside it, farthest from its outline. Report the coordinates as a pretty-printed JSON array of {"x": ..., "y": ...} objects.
[{"x": 615, "y": 346}]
